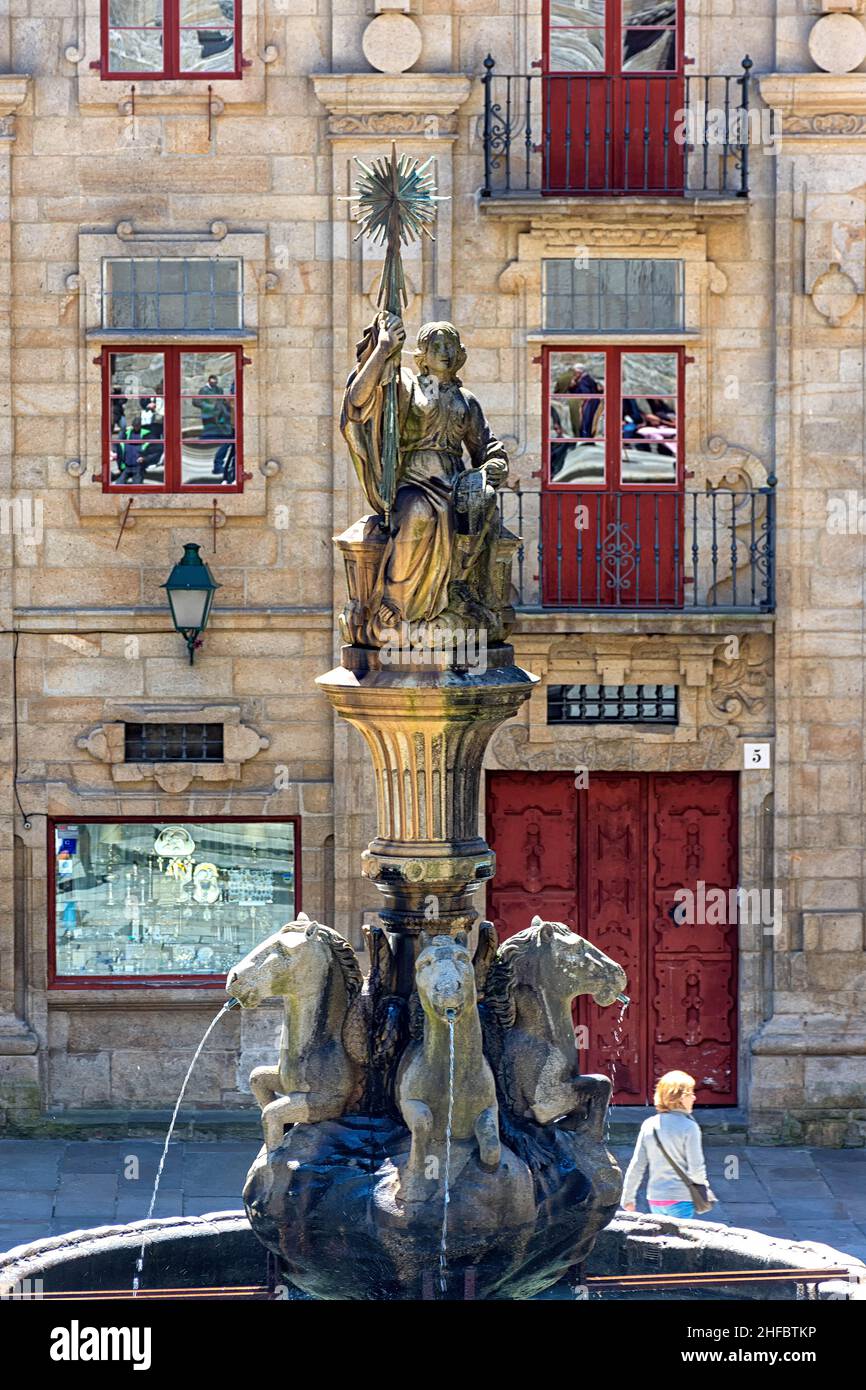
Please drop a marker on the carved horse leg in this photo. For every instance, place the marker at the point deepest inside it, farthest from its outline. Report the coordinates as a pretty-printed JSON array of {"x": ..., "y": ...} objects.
[
  {"x": 292, "y": 1109},
  {"x": 264, "y": 1084},
  {"x": 487, "y": 1134},
  {"x": 419, "y": 1119},
  {"x": 596, "y": 1090}
]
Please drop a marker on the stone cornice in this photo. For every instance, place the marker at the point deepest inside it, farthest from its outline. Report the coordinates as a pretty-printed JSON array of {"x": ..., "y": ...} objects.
[
  {"x": 375, "y": 103},
  {"x": 817, "y": 103},
  {"x": 13, "y": 92}
]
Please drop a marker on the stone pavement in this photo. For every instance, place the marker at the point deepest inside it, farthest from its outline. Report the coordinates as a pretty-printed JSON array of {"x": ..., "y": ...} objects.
[{"x": 49, "y": 1186}]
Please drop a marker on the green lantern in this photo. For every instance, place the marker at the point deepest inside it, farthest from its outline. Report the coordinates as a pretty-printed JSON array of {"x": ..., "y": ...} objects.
[{"x": 190, "y": 588}]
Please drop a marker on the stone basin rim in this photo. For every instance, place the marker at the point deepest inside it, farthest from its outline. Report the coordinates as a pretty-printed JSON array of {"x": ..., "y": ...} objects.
[{"x": 631, "y": 1234}]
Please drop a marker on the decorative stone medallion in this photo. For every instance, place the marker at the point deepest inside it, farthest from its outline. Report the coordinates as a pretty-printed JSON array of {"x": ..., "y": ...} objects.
[
  {"x": 392, "y": 43},
  {"x": 837, "y": 43}
]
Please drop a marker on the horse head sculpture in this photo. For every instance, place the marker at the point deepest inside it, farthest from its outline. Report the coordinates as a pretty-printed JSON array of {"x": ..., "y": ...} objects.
[{"x": 323, "y": 1041}]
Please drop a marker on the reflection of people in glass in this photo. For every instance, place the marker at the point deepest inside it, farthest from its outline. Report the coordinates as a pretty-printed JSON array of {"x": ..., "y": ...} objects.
[
  {"x": 657, "y": 423},
  {"x": 143, "y": 433},
  {"x": 216, "y": 422},
  {"x": 584, "y": 418},
  {"x": 212, "y": 42}
]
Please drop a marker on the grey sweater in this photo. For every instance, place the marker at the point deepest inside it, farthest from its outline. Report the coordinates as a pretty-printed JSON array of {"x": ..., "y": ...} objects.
[{"x": 681, "y": 1136}]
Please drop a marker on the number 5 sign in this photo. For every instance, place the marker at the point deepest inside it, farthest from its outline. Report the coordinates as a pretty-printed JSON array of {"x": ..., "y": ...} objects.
[{"x": 756, "y": 755}]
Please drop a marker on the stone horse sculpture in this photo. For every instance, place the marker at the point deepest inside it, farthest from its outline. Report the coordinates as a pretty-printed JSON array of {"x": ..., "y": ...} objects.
[
  {"x": 323, "y": 1043},
  {"x": 445, "y": 982},
  {"x": 539, "y": 971}
]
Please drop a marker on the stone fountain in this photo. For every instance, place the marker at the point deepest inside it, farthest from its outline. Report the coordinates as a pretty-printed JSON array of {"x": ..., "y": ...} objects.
[
  {"x": 427, "y": 1129},
  {"x": 426, "y": 1125}
]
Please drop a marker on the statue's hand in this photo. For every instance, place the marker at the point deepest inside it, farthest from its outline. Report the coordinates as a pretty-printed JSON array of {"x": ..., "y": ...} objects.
[
  {"x": 392, "y": 334},
  {"x": 496, "y": 469}
]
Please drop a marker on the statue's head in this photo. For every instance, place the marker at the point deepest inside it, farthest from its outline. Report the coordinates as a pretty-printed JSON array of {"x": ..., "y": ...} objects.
[
  {"x": 439, "y": 351},
  {"x": 444, "y": 976},
  {"x": 296, "y": 960}
]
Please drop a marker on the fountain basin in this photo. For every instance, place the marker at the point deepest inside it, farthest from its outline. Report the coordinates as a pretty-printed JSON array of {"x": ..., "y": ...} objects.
[{"x": 220, "y": 1249}]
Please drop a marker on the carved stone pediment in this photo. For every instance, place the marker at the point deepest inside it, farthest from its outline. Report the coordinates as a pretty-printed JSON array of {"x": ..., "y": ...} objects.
[{"x": 107, "y": 744}]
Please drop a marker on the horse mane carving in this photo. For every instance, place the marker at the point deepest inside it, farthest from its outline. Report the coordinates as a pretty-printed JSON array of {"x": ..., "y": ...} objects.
[{"x": 345, "y": 957}]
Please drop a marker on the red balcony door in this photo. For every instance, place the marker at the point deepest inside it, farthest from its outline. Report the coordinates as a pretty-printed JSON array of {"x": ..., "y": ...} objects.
[
  {"x": 613, "y": 83},
  {"x": 607, "y": 860},
  {"x": 612, "y": 505}
]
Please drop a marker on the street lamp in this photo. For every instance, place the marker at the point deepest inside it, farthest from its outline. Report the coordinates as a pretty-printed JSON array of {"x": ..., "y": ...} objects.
[{"x": 190, "y": 588}]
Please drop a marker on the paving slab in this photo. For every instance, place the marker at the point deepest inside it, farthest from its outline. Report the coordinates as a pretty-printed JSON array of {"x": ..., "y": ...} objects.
[
  {"x": 40, "y": 1168},
  {"x": 134, "y": 1207},
  {"x": 26, "y": 1206},
  {"x": 14, "y": 1233},
  {"x": 200, "y": 1206}
]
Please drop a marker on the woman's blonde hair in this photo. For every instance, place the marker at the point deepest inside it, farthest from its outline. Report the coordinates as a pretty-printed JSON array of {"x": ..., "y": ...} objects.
[{"x": 670, "y": 1089}]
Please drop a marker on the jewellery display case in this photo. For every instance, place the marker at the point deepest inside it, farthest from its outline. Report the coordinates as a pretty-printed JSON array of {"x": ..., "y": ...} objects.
[{"x": 157, "y": 900}]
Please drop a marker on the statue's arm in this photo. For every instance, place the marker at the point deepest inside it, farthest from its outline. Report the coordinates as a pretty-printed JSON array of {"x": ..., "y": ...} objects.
[
  {"x": 484, "y": 449},
  {"x": 366, "y": 381}
]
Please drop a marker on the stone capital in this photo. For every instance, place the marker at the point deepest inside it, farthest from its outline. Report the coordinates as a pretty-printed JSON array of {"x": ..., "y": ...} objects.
[
  {"x": 13, "y": 94},
  {"x": 373, "y": 104},
  {"x": 817, "y": 104}
]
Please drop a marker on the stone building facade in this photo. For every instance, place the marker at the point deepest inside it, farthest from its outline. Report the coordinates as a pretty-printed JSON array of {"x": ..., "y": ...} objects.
[{"x": 749, "y": 615}]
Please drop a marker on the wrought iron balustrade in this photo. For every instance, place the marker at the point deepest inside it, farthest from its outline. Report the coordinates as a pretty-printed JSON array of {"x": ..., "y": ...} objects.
[
  {"x": 662, "y": 551},
  {"x": 590, "y": 134}
]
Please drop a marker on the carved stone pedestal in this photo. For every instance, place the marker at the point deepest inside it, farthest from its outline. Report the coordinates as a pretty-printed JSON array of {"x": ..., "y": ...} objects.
[{"x": 427, "y": 728}]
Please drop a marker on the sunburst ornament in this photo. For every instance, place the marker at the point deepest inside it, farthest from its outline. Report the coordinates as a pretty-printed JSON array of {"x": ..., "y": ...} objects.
[{"x": 396, "y": 201}]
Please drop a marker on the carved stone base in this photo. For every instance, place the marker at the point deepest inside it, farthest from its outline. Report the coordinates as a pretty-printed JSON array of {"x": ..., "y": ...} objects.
[{"x": 328, "y": 1203}]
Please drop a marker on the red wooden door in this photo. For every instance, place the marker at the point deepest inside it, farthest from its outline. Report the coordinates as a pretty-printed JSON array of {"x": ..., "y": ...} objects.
[
  {"x": 612, "y": 86},
  {"x": 607, "y": 860},
  {"x": 612, "y": 504}
]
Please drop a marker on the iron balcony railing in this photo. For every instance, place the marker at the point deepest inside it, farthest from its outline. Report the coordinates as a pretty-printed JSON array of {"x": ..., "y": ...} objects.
[
  {"x": 589, "y": 134},
  {"x": 657, "y": 551}
]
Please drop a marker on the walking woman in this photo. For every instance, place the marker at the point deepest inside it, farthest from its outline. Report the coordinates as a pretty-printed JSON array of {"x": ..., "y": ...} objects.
[{"x": 670, "y": 1143}]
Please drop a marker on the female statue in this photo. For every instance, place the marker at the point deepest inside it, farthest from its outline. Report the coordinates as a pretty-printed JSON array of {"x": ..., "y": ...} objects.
[{"x": 437, "y": 558}]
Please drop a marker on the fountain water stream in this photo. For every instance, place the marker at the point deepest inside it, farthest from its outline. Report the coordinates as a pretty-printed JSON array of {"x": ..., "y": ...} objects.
[
  {"x": 624, "y": 1001},
  {"x": 446, "y": 1198},
  {"x": 139, "y": 1264}
]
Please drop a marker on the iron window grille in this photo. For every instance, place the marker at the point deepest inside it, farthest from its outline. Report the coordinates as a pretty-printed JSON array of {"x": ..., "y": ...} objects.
[
  {"x": 616, "y": 295},
  {"x": 613, "y": 704},
  {"x": 173, "y": 743},
  {"x": 151, "y": 39},
  {"x": 172, "y": 418},
  {"x": 169, "y": 295}
]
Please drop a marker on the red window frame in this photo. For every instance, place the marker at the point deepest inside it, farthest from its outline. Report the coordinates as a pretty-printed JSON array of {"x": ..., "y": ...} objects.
[
  {"x": 59, "y": 982},
  {"x": 613, "y": 46},
  {"x": 172, "y": 479},
  {"x": 171, "y": 69},
  {"x": 613, "y": 422}
]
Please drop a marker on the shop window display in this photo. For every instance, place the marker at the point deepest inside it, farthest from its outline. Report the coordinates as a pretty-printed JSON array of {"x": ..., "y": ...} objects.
[{"x": 156, "y": 899}]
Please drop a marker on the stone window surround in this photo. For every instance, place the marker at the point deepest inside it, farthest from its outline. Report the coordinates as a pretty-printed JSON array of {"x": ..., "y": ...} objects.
[
  {"x": 127, "y": 241},
  {"x": 169, "y": 94},
  {"x": 106, "y": 743},
  {"x": 550, "y": 239},
  {"x": 612, "y": 663}
]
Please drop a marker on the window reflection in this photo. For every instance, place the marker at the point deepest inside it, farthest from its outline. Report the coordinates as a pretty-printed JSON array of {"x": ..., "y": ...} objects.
[
  {"x": 577, "y": 417},
  {"x": 207, "y": 35},
  {"x": 166, "y": 899},
  {"x": 649, "y": 36},
  {"x": 208, "y": 417},
  {"x": 135, "y": 41},
  {"x": 137, "y": 406},
  {"x": 649, "y": 417}
]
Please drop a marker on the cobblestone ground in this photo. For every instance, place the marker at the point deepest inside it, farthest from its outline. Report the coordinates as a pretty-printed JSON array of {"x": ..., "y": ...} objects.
[{"x": 48, "y": 1187}]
